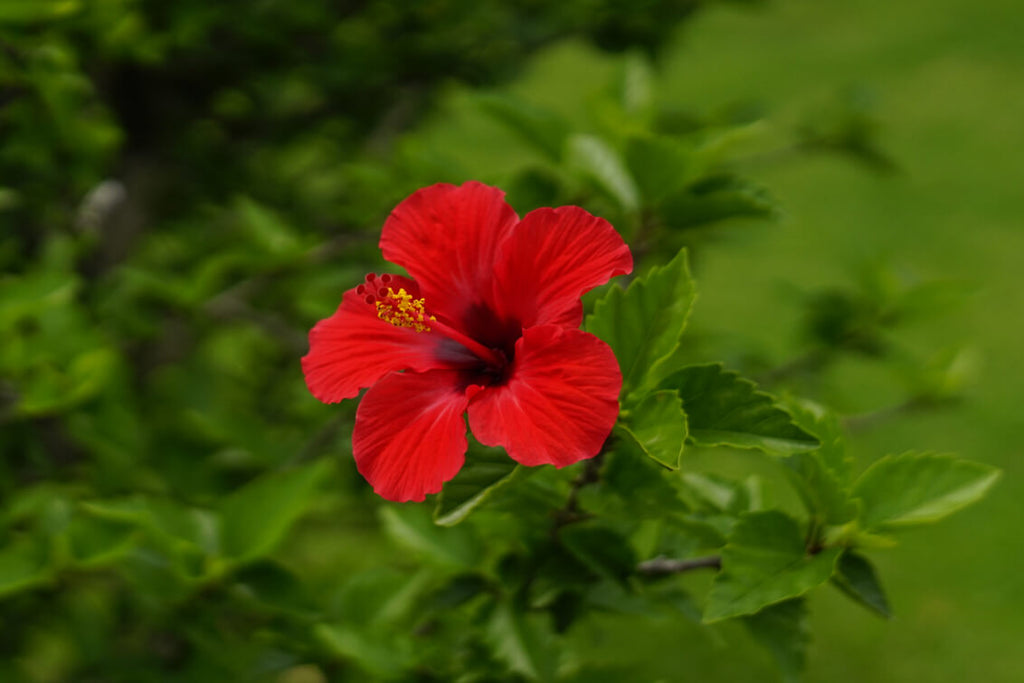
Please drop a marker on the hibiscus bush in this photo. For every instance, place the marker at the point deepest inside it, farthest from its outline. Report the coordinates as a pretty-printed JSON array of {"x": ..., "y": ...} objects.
[{"x": 213, "y": 244}]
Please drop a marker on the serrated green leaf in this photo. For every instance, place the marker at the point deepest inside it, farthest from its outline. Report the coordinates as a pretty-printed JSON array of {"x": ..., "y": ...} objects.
[
  {"x": 825, "y": 426},
  {"x": 604, "y": 551},
  {"x": 659, "y": 425},
  {"x": 856, "y": 577},
  {"x": 765, "y": 562},
  {"x": 643, "y": 324},
  {"x": 412, "y": 527},
  {"x": 917, "y": 488},
  {"x": 597, "y": 160},
  {"x": 782, "y": 629},
  {"x": 256, "y": 517},
  {"x": 522, "y": 642},
  {"x": 485, "y": 471},
  {"x": 819, "y": 488},
  {"x": 724, "y": 409},
  {"x": 631, "y": 473}
]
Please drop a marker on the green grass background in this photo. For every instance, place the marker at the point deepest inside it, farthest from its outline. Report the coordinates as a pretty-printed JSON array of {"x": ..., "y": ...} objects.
[{"x": 948, "y": 79}]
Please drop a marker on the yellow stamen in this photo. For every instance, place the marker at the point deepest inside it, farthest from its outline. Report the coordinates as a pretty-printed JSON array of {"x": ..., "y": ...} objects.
[{"x": 401, "y": 310}]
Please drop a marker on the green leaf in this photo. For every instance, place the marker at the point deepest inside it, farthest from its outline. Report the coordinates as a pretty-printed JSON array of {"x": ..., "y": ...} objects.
[
  {"x": 823, "y": 424},
  {"x": 661, "y": 166},
  {"x": 52, "y": 390},
  {"x": 717, "y": 492},
  {"x": 782, "y": 629},
  {"x": 375, "y": 609},
  {"x": 410, "y": 526},
  {"x": 637, "y": 85},
  {"x": 95, "y": 541},
  {"x": 183, "y": 525},
  {"x": 382, "y": 597},
  {"x": 485, "y": 471},
  {"x": 33, "y": 11},
  {"x": 643, "y": 324},
  {"x": 718, "y": 146},
  {"x": 604, "y": 551},
  {"x": 658, "y": 424},
  {"x": 724, "y": 409},
  {"x": 23, "y": 564},
  {"x": 257, "y": 516},
  {"x": 272, "y": 586},
  {"x": 266, "y": 229},
  {"x": 522, "y": 642},
  {"x": 595, "y": 159},
  {"x": 544, "y": 129},
  {"x": 819, "y": 488},
  {"x": 384, "y": 660},
  {"x": 631, "y": 473},
  {"x": 856, "y": 577},
  {"x": 915, "y": 488},
  {"x": 765, "y": 562},
  {"x": 717, "y": 199}
]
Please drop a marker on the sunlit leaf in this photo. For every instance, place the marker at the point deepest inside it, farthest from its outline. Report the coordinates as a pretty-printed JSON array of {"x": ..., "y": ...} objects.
[
  {"x": 917, "y": 488},
  {"x": 659, "y": 425},
  {"x": 597, "y": 160},
  {"x": 644, "y": 323}
]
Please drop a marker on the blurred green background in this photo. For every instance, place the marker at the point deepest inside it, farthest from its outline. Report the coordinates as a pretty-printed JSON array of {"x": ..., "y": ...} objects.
[{"x": 152, "y": 326}]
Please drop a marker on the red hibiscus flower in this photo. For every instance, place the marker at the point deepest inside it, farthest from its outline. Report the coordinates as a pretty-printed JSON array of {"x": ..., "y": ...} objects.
[{"x": 486, "y": 324}]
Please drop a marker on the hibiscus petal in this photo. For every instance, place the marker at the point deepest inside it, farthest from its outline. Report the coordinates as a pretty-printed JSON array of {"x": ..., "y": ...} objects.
[
  {"x": 553, "y": 257},
  {"x": 353, "y": 348},
  {"x": 447, "y": 237},
  {"x": 410, "y": 436},
  {"x": 559, "y": 402}
]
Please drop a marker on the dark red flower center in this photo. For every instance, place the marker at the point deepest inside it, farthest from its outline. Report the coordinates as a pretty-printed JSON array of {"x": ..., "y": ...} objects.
[{"x": 397, "y": 301}]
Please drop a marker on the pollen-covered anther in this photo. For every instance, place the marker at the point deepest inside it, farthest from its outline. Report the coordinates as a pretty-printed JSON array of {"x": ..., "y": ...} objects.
[{"x": 401, "y": 309}]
